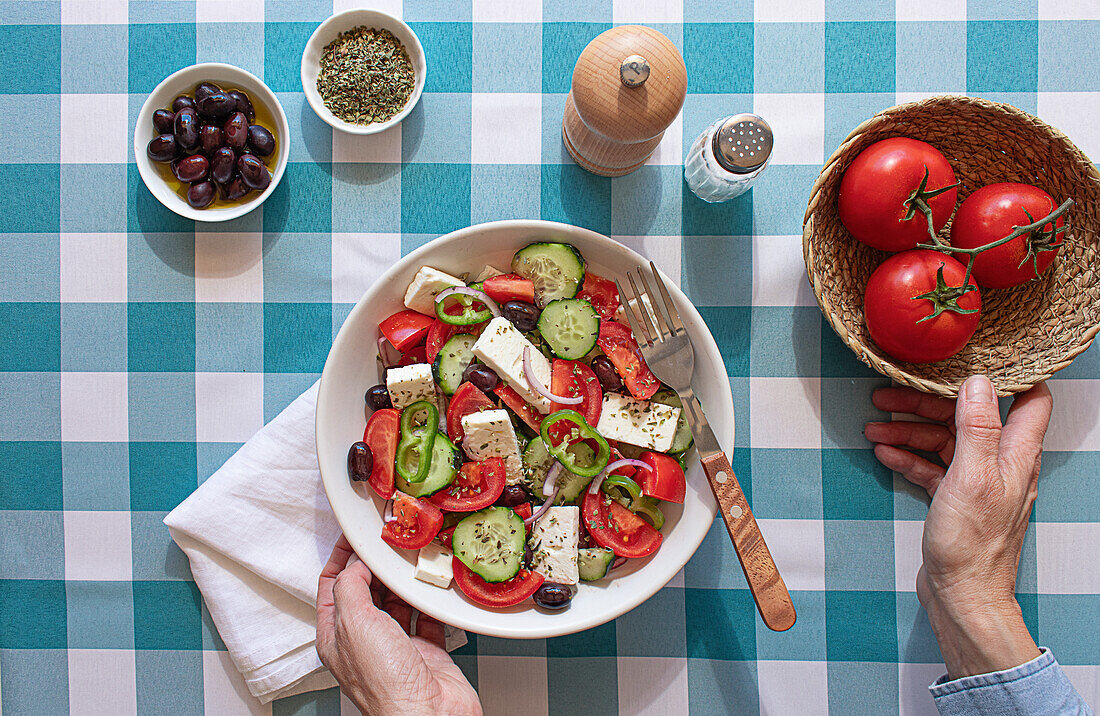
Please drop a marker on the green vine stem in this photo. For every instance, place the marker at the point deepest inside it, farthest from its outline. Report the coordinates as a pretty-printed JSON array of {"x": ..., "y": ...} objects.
[
  {"x": 918, "y": 201},
  {"x": 1017, "y": 231}
]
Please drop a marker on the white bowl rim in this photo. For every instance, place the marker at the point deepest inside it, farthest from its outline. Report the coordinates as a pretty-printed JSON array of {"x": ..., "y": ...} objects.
[
  {"x": 416, "y": 55},
  {"x": 145, "y": 167},
  {"x": 658, "y": 580}
]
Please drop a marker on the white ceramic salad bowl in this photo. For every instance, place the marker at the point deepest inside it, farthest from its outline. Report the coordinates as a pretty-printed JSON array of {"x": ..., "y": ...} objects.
[{"x": 351, "y": 368}]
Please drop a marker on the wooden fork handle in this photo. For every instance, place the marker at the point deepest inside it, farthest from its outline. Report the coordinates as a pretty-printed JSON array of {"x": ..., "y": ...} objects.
[{"x": 768, "y": 590}]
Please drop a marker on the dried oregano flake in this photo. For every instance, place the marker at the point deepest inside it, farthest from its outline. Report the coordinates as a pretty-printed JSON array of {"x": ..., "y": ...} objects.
[{"x": 366, "y": 75}]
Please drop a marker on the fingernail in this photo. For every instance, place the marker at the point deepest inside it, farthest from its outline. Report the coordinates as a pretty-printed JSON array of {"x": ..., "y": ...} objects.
[
  {"x": 978, "y": 389},
  {"x": 353, "y": 559}
]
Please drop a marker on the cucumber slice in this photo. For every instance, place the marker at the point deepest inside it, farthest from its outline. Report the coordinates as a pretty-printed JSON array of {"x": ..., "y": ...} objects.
[
  {"x": 570, "y": 326},
  {"x": 682, "y": 440},
  {"x": 537, "y": 462},
  {"x": 491, "y": 543},
  {"x": 557, "y": 270},
  {"x": 594, "y": 562},
  {"x": 453, "y": 359},
  {"x": 445, "y": 464}
]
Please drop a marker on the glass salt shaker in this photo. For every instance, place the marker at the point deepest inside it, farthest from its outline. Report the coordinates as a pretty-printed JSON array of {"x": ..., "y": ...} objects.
[{"x": 727, "y": 157}]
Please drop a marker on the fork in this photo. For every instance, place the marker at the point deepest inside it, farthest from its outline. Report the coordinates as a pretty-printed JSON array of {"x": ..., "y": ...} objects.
[{"x": 667, "y": 350}]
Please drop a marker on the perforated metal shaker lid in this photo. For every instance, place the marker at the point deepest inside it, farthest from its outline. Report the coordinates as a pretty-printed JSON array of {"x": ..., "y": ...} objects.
[{"x": 743, "y": 143}]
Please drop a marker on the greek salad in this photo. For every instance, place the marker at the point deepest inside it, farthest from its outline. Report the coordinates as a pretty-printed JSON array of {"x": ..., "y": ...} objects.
[{"x": 521, "y": 442}]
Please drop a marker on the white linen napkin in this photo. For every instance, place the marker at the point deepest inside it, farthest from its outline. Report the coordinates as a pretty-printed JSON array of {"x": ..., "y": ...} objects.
[{"x": 257, "y": 534}]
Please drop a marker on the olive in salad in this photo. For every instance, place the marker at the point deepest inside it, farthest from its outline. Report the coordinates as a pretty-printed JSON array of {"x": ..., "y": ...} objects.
[{"x": 521, "y": 442}]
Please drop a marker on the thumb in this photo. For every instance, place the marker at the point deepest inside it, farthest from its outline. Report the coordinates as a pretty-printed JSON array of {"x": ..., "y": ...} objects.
[
  {"x": 977, "y": 431},
  {"x": 353, "y": 584}
]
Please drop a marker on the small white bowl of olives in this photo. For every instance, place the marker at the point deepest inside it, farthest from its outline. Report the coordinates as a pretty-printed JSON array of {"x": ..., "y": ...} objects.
[{"x": 211, "y": 142}]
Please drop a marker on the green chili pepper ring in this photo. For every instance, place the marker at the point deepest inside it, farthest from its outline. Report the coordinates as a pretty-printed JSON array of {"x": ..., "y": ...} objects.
[
  {"x": 416, "y": 442},
  {"x": 584, "y": 431},
  {"x": 469, "y": 315}
]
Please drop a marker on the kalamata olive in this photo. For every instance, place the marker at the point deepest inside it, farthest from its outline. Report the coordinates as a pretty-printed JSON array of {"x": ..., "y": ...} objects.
[
  {"x": 182, "y": 101},
  {"x": 211, "y": 139},
  {"x": 253, "y": 172},
  {"x": 236, "y": 130},
  {"x": 192, "y": 168},
  {"x": 216, "y": 105},
  {"x": 260, "y": 140},
  {"x": 243, "y": 103},
  {"x": 528, "y": 556},
  {"x": 552, "y": 595},
  {"x": 482, "y": 376},
  {"x": 378, "y": 397},
  {"x": 205, "y": 89},
  {"x": 524, "y": 315},
  {"x": 202, "y": 194},
  {"x": 222, "y": 165},
  {"x": 360, "y": 462},
  {"x": 513, "y": 495},
  {"x": 604, "y": 369},
  {"x": 163, "y": 120},
  {"x": 186, "y": 128},
  {"x": 162, "y": 148},
  {"x": 236, "y": 189}
]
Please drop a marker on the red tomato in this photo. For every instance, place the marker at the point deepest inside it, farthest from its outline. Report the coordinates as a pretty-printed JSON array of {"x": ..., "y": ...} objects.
[
  {"x": 441, "y": 332},
  {"x": 416, "y": 354},
  {"x": 446, "y": 536},
  {"x": 989, "y": 214},
  {"x": 415, "y": 524},
  {"x": 500, "y": 594},
  {"x": 521, "y": 407},
  {"x": 570, "y": 379},
  {"x": 406, "y": 329},
  {"x": 613, "y": 526},
  {"x": 894, "y": 318},
  {"x": 617, "y": 342},
  {"x": 478, "y": 485},
  {"x": 875, "y": 188},
  {"x": 601, "y": 293},
  {"x": 466, "y": 400},
  {"x": 523, "y": 510},
  {"x": 382, "y": 433},
  {"x": 664, "y": 479},
  {"x": 509, "y": 287}
]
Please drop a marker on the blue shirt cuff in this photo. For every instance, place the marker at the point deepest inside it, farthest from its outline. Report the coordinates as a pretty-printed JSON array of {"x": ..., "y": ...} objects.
[{"x": 1037, "y": 687}]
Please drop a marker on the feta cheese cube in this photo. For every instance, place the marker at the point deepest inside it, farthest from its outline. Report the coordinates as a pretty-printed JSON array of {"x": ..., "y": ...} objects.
[
  {"x": 500, "y": 347},
  {"x": 409, "y": 383},
  {"x": 490, "y": 434},
  {"x": 487, "y": 272},
  {"x": 554, "y": 540},
  {"x": 425, "y": 286},
  {"x": 433, "y": 565},
  {"x": 646, "y": 307},
  {"x": 638, "y": 422}
]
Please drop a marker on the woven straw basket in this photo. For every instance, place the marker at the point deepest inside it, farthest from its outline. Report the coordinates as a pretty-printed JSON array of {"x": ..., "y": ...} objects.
[{"x": 1026, "y": 333}]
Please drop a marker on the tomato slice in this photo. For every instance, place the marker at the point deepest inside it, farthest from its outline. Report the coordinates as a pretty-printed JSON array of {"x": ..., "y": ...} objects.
[
  {"x": 446, "y": 536},
  {"x": 601, "y": 293},
  {"x": 415, "y": 524},
  {"x": 500, "y": 594},
  {"x": 466, "y": 400},
  {"x": 664, "y": 479},
  {"x": 441, "y": 332},
  {"x": 406, "y": 329},
  {"x": 478, "y": 485},
  {"x": 521, "y": 407},
  {"x": 415, "y": 354},
  {"x": 618, "y": 343},
  {"x": 382, "y": 433},
  {"x": 613, "y": 526},
  {"x": 523, "y": 510},
  {"x": 509, "y": 287},
  {"x": 569, "y": 379}
]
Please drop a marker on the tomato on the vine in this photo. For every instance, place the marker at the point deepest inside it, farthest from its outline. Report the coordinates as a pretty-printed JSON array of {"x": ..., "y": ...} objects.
[
  {"x": 885, "y": 190},
  {"x": 990, "y": 214},
  {"x": 917, "y": 308}
]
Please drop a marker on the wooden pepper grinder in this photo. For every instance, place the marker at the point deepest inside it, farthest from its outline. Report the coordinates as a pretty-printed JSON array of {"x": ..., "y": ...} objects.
[{"x": 628, "y": 85}]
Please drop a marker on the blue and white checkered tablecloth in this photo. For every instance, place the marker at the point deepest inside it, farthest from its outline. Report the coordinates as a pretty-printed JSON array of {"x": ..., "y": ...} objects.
[{"x": 139, "y": 350}]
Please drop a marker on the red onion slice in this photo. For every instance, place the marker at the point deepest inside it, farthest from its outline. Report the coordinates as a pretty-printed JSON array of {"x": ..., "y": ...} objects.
[
  {"x": 529, "y": 374},
  {"x": 473, "y": 293},
  {"x": 550, "y": 486},
  {"x": 387, "y": 516},
  {"x": 541, "y": 510},
  {"x": 612, "y": 467},
  {"x": 619, "y": 561},
  {"x": 390, "y": 356}
]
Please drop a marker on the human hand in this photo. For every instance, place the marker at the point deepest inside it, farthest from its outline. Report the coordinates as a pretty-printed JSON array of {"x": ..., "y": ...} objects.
[
  {"x": 979, "y": 513},
  {"x": 364, "y": 637}
]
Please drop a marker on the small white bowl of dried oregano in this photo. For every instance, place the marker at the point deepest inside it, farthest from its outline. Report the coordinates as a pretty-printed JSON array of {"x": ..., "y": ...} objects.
[{"x": 363, "y": 71}]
